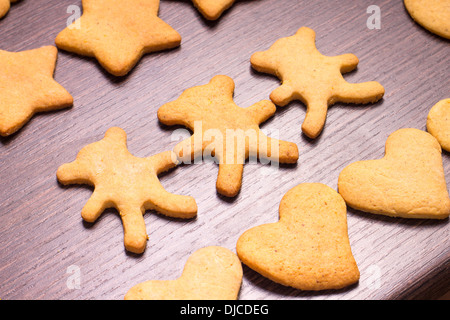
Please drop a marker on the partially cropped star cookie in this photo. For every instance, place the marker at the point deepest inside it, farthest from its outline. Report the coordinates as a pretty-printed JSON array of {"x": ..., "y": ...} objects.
[
  {"x": 224, "y": 130},
  {"x": 4, "y": 7},
  {"x": 118, "y": 33},
  {"x": 212, "y": 9},
  {"x": 127, "y": 183},
  {"x": 27, "y": 86},
  {"x": 312, "y": 78}
]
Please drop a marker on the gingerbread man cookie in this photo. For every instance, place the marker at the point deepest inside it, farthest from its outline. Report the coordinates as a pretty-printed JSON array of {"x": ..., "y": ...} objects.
[
  {"x": 212, "y": 9},
  {"x": 408, "y": 182},
  {"x": 211, "y": 273},
  {"x": 308, "y": 248},
  {"x": 128, "y": 183},
  {"x": 230, "y": 133},
  {"x": 27, "y": 86},
  {"x": 312, "y": 78},
  {"x": 118, "y": 33}
]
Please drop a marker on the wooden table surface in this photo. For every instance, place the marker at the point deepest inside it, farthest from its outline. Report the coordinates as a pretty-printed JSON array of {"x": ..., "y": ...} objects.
[{"x": 44, "y": 243}]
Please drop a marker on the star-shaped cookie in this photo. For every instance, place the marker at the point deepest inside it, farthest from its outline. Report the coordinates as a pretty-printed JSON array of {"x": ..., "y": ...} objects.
[
  {"x": 27, "y": 86},
  {"x": 212, "y": 9},
  {"x": 224, "y": 130},
  {"x": 118, "y": 33},
  {"x": 4, "y": 7},
  {"x": 127, "y": 183},
  {"x": 312, "y": 78}
]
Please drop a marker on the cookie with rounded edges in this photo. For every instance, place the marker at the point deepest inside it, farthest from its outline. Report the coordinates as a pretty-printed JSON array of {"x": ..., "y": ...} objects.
[
  {"x": 314, "y": 79},
  {"x": 308, "y": 248},
  {"x": 210, "y": 273},
  {"x": 438, "y": 123},
  {"x": 433, "y": 15},
  {"x": 27, "y": 86},
  {"x": 408, "y": 182},
  {"x": 4, "y": 7},
  {"x": 127, "y": 183},
  {"x": 228, "y": 132},
  {"x": 212, "y": 9},
  {"x": 118, "y": 33}
]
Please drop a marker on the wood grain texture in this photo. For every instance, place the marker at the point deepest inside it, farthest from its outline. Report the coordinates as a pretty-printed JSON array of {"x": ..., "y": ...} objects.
[{"x": 41, "y": 230}]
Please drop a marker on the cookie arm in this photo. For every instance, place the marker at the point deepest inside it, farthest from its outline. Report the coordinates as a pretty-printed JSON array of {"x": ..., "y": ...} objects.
[
  {"x": 316, "y": 114},
  {"x": 261, "y": 111},
  {"x": 365, "y": 92}
]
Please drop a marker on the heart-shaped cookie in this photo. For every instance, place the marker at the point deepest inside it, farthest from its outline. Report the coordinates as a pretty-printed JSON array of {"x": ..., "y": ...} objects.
[
  {"x": 308, "y": 248},
  {"x": 407, "y": 182},
  {"x": 211, "y": 273}
]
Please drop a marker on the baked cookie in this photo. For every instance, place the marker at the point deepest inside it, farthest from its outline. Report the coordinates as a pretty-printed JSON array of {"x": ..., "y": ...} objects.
[
  {"x": 4, "y": 7},
  {"x": 27, "y": 86},
  {"x": 407, "y": 182},
  {"x": 433, "y": 15},
  {"x": 212, "y": 9},
  {"x": 222, "y": 129},
  {"x": 118, "y": 33},
  {"x": 438, "y": 123},
  {"x": 312, "y": 78},
  {"x": 127, "y": 183},
  {"x": 211, "y": 273},
  {"x": 308, "y": 248}
]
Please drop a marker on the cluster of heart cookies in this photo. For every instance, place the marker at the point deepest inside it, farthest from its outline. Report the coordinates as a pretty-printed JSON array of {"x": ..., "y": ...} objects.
[{"x": 308, "y": 248}]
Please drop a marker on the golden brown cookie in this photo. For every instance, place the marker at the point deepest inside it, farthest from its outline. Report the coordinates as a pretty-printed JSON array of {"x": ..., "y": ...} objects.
[
  {"x": 212, "y": 9},
  {"x": 308, "y": 248},
  {"x": 407, "y": 182},
  {"x": 433, "y": 15},
  {"x": 4, "y": 7},
  {"x": 118, "y": 33},
  {"x": 438, "y": 123},
  {"x": 27, "y": 86},
  {"x": 211, "y": 273},
  {"x": 312, "y": 78},
  {"x": 224, "y": 130},
  {"x": 127, "y": 183}
]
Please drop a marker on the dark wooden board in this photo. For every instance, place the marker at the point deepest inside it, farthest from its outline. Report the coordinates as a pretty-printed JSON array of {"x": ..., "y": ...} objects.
[{"x": 41, "y": 231}]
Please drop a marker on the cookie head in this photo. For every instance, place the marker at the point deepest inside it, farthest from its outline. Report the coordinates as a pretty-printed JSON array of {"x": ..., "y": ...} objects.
[
  {"x": 308, "y": 248},
  {"x": 407, "y": 182}
]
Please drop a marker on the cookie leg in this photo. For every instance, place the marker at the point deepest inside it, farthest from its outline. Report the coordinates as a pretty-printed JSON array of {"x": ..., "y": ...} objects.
[
  {"x": 172, "y": 205},
  {"x": 316, "y": 114},
  {"x": 135, "y": 233},
  {"x": 94, "y": 207},
  {"x": 282, "y": 95},
  {"x": 229, "y": 179}
]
